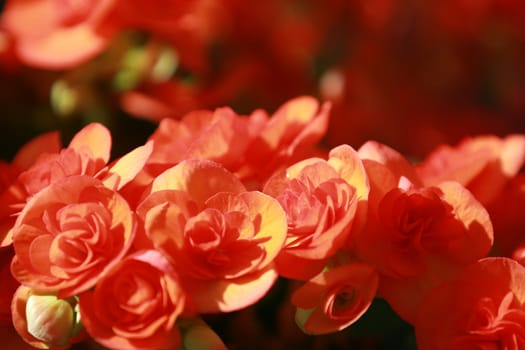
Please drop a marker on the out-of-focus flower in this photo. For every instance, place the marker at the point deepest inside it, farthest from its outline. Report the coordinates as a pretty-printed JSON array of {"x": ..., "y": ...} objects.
[
  {"x": 68, "y": 234},
  {"x": 482, "y": 164},
  {"x": 135, "y": 305},
  {"x": 483, "y": 307},
  {"x": 226, "y": 238},
  {"x": 336, "y": 298},
  {"x": 61, "y": 34},
  {"x": 45, "y": 321},
  {"x": 322, "y": 199},
  {"x": 417, "y": 236}
]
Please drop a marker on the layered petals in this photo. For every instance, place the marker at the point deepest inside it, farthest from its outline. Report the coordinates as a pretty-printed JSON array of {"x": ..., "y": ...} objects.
[
  {"x": 146, "y": 301},
  {"x": 417, "y": 236},
  {"x": 201, "y": 217},
  {"x": 68, "y": 234},
  {"x": 320, "y": 201},
  {"x": 483, "y": 307}
]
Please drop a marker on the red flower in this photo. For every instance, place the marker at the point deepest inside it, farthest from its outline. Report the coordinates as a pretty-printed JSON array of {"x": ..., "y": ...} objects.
[
  {"x": 68, "y": 234},
  {"x": 482, "y": 308},
  {"x": 417, "y": 236},
  {"x": 135, "y": 305},
  {"x": 222, "y": 238}
]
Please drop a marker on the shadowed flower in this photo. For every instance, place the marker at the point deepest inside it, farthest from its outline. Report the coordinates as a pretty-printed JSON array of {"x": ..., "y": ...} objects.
[
  {"x": 483, "y": 307},
  {"x": 417, "y": 236},
  {"x": 334, "y": 299}
]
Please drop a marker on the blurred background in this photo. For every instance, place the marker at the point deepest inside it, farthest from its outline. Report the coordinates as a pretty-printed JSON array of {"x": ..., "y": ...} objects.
[{"x": 409, "y": 73}]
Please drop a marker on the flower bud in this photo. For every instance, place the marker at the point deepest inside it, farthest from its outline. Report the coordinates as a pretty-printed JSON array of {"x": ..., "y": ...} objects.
[{"x": 49, "y": 319}]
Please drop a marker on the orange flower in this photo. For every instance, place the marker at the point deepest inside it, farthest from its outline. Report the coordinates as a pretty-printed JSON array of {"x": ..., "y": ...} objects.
[
  {"x": 221, "y": 237},
  {"x": 68, "y": 234},
  {"x": 482, "y": 308},
  {"x": 62, "y": 34},
  {"x": 482, "y": 164},
  {"x": 135, "y": 305},
  {"x": 417, "y": 236},
  {"x": 334, "y": 299},
  {"x": 321, "y": 200},
  {"x": 87, "y": 154}
]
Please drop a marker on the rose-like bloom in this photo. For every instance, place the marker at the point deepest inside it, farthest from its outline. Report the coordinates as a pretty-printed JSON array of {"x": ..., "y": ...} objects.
[
  {"x": 483, "y": 164},
  {"x": 62, "y": 34},
  {"x": 45, "y": 321},
  {"x": 222, "y": 238},
  {"x": 68, "y": 234},
  {"x": 334, "y": 299},
  {"x": 483, "y": 307},
  {"x": 321, "y": 199},
  {"x": 417, "y": 236},
  {"x": 87, "y": 154},
  {"x": 135, "y": 305}
]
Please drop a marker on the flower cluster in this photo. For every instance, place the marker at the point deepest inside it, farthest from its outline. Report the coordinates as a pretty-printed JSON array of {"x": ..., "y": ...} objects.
[
  {"x": 353, "y": 185},
  {"x": 214, "y": 208}
]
